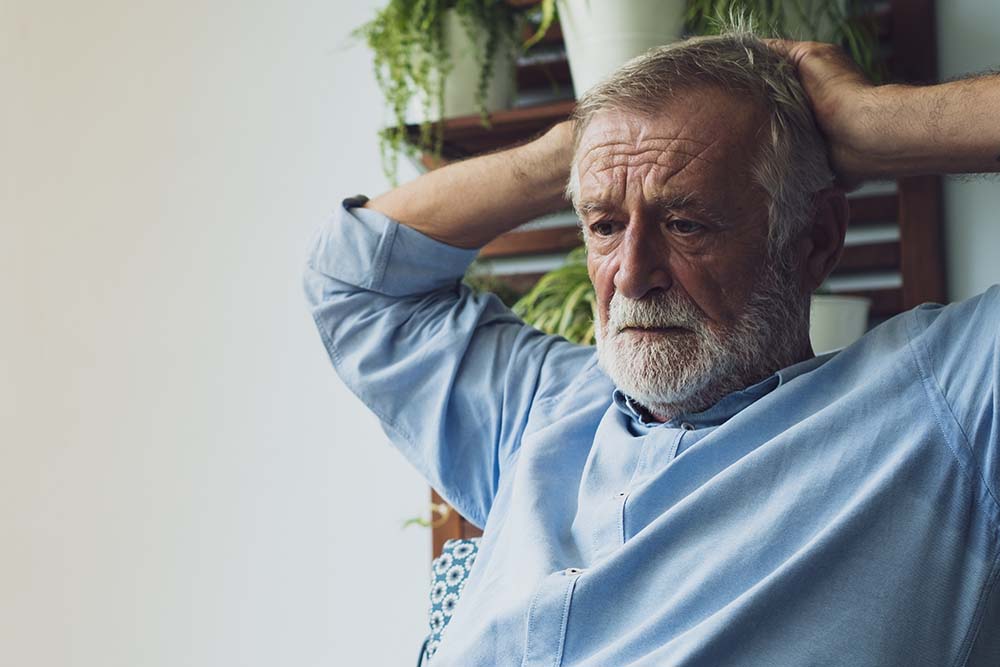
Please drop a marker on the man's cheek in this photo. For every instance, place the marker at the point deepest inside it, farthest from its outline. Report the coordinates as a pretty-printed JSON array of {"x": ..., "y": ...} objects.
[
  {"x": 602, "y": 273},
  {"x": 601, "y": 269}
]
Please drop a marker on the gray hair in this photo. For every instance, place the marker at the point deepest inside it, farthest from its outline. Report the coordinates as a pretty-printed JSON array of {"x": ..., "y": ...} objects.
[{"x": 790, "y": 166}]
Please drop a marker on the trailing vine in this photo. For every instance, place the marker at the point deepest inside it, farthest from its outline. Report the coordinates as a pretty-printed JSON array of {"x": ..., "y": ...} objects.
[{"x": 409, "y": 42}]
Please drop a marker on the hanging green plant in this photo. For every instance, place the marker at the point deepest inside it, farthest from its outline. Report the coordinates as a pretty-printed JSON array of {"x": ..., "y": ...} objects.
[{"x": 410, "y": 43}]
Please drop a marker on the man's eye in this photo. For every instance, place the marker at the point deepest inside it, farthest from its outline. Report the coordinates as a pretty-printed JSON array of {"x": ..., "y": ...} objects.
[
  {"x": 686, "y": 226},
  {"x": 603, "y": 228}
]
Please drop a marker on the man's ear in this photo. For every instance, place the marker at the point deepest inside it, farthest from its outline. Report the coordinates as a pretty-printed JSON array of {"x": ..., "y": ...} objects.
[{"x": 822, "y": 242}]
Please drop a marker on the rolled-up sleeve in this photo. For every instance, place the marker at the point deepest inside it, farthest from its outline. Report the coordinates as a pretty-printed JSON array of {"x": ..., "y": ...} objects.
[{"x": 451, "y": 374}]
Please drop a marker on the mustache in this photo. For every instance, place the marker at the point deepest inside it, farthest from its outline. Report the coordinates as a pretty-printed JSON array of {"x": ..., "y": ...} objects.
[{"x": 659, "y": 311}]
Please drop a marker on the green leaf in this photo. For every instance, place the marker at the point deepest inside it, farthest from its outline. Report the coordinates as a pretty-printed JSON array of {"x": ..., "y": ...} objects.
[
  {"x": 548, "y": 14},
  {"x": 408, "y": 41},
  {"x": 561, "y": 302}
]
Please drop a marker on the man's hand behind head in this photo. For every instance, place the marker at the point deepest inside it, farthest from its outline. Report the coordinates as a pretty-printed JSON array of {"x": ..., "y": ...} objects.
[{"x": 842, "y": 102}]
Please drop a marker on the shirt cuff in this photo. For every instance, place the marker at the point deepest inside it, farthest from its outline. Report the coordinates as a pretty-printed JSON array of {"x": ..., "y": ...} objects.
[{"x": 368, "y": 249}]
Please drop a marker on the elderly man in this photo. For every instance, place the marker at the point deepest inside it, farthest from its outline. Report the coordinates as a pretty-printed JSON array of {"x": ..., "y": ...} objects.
[{"x": 702, "y": 489}]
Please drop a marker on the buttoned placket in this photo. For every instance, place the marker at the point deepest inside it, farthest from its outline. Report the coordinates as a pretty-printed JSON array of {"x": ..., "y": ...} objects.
[
  {"x": 547, "y": 616},
  {"x": 660, "y": 448},
  {"x": 550, "y": 605}
]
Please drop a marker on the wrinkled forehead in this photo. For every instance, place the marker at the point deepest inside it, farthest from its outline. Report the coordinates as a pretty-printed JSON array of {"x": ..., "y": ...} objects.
[
  {"x": 703, "y": 139},
  {"x": 723, "y": 113}
]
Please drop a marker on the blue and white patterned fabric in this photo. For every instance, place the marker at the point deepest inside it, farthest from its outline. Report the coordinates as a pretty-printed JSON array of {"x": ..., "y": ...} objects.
[{"x": 448, "y": 574}]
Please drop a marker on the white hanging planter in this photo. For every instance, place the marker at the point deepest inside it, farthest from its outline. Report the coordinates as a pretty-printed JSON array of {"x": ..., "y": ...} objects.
[
  {"x": 463, "y": 79},
  {"x": 602, "y": 35},
  {"x": 836, "y": 321}
]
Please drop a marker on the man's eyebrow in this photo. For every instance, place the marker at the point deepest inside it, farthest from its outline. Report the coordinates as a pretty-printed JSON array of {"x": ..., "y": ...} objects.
[
  {"x": 687, "y": 202},
  {"x": 667, "y": 203},
  {"x": 590, "y": 207}
]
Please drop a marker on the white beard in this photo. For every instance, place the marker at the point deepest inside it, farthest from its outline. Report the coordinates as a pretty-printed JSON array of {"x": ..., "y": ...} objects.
[{"x": 688, "y": 371}]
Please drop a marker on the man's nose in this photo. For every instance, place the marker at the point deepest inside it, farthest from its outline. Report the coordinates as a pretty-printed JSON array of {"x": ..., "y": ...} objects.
[{"x": 643, "y": 262}]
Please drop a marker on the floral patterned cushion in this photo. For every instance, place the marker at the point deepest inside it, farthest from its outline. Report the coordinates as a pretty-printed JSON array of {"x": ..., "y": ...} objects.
[{"x": 448, "y": 574}]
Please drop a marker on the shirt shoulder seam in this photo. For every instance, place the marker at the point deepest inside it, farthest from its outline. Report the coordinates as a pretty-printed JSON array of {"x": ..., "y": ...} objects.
[{"x": 932, "y": 387}]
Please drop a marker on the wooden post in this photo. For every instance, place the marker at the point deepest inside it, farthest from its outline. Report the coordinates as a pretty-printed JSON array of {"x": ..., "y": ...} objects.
[
  {"x": 921, "y": 240},
  {"x": 921, "y": 215}
]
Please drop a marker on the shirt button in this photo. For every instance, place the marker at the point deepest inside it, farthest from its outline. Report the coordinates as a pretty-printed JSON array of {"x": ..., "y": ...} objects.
[{"x": 687, "y": 426}]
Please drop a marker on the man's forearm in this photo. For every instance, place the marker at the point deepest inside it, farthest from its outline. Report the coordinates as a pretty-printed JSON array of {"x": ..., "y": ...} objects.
[
  {"x": 897, "y": 130},
  {"x": 469, "y": 203},
  {"x": 948, "y": 128}
]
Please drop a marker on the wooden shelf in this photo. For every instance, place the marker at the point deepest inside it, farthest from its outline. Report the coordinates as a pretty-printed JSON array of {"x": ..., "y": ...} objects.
[
  {"x": 874, "y": 210},
  {"x": 545, "y": 75},
  {"x": 466, "y": 136},
  {"x": 869, "y": 258},
  {"x": 533, "y": 242}
]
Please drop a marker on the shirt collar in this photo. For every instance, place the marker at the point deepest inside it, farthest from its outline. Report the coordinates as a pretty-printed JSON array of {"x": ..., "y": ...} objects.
[{"x": 729, "y": 405}]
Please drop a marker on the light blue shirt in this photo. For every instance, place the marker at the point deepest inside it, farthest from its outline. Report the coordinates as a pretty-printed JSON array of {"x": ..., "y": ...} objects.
[{"x": 842, "y": 512}]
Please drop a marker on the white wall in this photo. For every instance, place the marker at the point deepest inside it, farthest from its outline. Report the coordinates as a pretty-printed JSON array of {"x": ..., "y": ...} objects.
[
  {"x": 183, "y": 480},
  {"x": 969, "y": 41}
]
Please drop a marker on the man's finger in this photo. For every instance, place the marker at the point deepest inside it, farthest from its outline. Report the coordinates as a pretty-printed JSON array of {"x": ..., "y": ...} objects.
[
  {"x": 782, "y": 46},
  {"x": 791, "y": 50}
]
